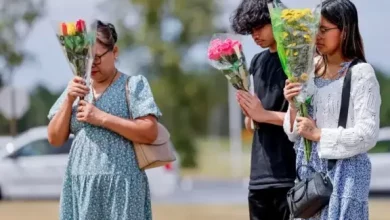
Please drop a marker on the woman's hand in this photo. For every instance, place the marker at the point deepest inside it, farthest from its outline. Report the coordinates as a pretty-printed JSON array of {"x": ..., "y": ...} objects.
[
  {"x": 241, "y": 106},
  {"x": 87, "y": 112},
  {"x": 77, "y": 88},
  {"x": 290, "y": 91},
  {"x": 307, "y": 128}
]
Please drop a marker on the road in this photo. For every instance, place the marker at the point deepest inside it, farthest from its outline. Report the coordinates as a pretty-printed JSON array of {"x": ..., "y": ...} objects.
[
  {"x": 219, "y": 192},
  {"x": 194, "y": 200}
]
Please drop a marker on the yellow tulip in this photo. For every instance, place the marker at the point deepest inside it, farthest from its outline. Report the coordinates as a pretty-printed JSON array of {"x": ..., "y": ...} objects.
[{"x": 71, "y": 28}]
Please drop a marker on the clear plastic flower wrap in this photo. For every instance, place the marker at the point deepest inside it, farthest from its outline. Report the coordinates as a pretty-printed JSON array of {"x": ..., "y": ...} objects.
[
  {"x": 295, "y": 31},
  {"x": 225, "y": 53},
  {"x": 75, "y": 29},
  {"x": 77, "y": 40}
]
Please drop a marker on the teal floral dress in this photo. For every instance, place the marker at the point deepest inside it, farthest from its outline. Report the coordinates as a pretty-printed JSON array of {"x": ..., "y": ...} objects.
[{"x": 102, "y": 180}]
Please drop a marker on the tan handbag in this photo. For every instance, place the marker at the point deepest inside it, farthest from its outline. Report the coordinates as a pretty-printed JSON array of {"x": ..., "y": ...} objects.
[{"x": 157, "y": 154}]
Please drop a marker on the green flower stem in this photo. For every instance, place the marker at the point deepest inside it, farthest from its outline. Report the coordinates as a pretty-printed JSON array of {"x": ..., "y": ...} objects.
[{"x": 303, "y": 111}]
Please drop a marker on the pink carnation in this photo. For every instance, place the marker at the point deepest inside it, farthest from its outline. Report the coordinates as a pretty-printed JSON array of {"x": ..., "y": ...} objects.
[
  {"x": 227, "y": 48},
  {"x": 214, "y": 51},
  {"x": 218, "y": 48},
  {"x": 215, "y": 43},
  {"x": 214, "y": 54},
  {"x": 237, "y": 43}
]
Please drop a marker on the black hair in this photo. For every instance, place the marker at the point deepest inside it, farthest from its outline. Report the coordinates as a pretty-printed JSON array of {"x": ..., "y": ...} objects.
[
  {"x": 250, "y": 14},
  {"x": 106, "y": 34},
  {"x": 344, "y": 15}
]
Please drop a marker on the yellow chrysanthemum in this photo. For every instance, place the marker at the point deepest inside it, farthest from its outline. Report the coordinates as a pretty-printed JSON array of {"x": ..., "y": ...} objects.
[
  {"x": 292, "y": 45},
  {"x": 286, "y": 14},
  {"x": 285, "y": 34},
  {"x": 304, "y": 77},
  {"x": 306, "y": 11}
]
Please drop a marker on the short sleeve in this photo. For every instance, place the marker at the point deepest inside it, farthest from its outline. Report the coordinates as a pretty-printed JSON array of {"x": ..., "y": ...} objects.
[
  {"x": 141, "y": 98},
  {"x": 253, "y": 64},
  {"x": 57, "y": 105}
]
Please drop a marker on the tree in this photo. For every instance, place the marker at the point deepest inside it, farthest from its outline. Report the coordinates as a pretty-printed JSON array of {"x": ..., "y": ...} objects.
[
  {"x": 17, "y": 18},
  {"x": 384, "y": 82},
  {"x": 41, "y": 101},
  {"x": 189, "y": 94}
]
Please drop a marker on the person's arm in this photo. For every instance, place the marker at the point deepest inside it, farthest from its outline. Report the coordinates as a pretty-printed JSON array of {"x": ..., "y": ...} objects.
[
  {"x": 144, "y": 111},
  {"x": 59, "y": 126},
  {"x": 270, "y": 117},
  {"x": 289, "y": 124},
  {"x": 340, "y": 143},
  {"x": 142, "y": 130}
]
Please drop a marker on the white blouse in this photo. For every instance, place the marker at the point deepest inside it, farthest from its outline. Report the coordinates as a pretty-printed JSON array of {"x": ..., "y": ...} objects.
[{"x": 361, "y": 132}]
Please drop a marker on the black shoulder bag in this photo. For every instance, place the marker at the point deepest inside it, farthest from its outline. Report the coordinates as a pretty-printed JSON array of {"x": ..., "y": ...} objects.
[{"x": 311, "y": 195}]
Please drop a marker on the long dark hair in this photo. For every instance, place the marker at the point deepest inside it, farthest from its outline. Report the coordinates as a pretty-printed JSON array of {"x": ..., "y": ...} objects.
[{"x": 344, "y": 15}]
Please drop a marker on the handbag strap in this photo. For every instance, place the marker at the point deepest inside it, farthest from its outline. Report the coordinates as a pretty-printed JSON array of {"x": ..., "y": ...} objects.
[
  {"x": 128, "y": 96},
  {"x": 345, "y": 98}
]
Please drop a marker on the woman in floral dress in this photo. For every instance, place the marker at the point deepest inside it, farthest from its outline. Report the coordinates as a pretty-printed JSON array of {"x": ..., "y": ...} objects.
[
  {"x": 103, "y": 180},
  {"x": 339, "y": 42}
]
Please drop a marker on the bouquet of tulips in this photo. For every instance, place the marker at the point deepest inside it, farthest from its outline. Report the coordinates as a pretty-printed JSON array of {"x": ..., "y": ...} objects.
[
  {"x": 295, "y": 32},
  {"x": 77, "y": 42},
  {"x": 226, "y": 54}
]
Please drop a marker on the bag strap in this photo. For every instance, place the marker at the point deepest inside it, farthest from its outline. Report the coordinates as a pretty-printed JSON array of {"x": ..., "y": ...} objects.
[
  {"x": 345, "y": 98},
  {"x": 128, "y": 96}
]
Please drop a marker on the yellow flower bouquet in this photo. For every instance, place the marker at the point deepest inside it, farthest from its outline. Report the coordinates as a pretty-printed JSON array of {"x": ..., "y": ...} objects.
[{"x": 295, "y": 32}]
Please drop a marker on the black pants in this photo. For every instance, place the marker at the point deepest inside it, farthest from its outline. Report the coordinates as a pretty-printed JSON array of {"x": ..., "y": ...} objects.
[{"x": 268, "y": 204}]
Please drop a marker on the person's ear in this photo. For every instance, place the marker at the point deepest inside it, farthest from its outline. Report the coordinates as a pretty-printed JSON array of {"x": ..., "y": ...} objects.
[{"x": 116, "y": 52}]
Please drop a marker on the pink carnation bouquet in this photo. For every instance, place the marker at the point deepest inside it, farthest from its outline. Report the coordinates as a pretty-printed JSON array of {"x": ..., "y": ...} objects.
[{"x": 225, "y": 54}]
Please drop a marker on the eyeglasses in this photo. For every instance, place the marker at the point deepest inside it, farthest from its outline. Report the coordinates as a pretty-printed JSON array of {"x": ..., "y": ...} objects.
[
  {"x": 98, "y": 58},
  {"x": 323, "y": 30}
]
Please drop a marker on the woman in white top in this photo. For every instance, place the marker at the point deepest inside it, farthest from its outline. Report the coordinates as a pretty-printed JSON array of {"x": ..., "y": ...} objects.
[{"x": 339, "y": 42}]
